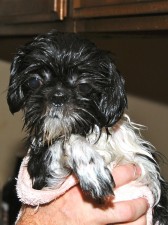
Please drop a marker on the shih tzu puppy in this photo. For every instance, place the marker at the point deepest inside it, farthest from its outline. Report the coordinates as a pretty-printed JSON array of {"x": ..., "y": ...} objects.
[{"x": 73, "y": 100}]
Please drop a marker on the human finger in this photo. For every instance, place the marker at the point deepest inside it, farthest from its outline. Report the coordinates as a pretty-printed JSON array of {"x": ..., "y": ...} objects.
[
  {"x": 141, "y": 221},
  {"x": 124, "y": 174},
  {"x": 125, "y": 211}
]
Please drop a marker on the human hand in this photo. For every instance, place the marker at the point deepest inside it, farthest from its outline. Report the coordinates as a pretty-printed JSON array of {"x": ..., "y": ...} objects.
[{"x": 76, "y": 208}]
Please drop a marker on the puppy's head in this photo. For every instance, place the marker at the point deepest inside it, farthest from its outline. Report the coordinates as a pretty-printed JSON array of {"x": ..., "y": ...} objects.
[{"x": 65, "y": 84}]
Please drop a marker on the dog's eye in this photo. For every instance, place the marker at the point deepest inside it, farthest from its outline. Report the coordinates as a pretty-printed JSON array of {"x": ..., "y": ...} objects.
[
  {"x": 85, "y": 88},
  {"x": 34, "y": 83}
]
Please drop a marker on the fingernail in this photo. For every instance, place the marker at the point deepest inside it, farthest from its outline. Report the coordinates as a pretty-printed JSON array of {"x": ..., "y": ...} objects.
[
  {"x": 147, "y": 203},
  {"x": 137, "y": 171}
]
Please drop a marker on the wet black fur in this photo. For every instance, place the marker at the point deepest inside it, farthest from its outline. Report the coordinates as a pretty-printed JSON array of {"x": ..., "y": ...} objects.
[{"x": 76, "y": 69}]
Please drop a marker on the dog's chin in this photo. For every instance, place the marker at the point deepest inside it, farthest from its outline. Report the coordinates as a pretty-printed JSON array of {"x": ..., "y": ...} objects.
[
  {"x": 54, "y": 128},
  {"x": 60, "y": 122},
  {"x": 56, "y": 124}
]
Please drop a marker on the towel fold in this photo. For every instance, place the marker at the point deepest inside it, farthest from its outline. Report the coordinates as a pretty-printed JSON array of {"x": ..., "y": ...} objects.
[{"x": 30, "y": 196}]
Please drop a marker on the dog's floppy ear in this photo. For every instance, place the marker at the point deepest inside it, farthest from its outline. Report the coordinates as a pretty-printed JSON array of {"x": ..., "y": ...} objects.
[
  {"x": 114, "y": 100},
  {"x": 15, "y": 94}
]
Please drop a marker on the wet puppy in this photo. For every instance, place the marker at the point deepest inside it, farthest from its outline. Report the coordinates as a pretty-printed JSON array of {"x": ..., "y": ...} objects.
[{"x": 73, "y": 100}]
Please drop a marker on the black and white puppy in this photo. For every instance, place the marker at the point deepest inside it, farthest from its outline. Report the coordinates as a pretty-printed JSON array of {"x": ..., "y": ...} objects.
[{"x": 73, "y": 100}]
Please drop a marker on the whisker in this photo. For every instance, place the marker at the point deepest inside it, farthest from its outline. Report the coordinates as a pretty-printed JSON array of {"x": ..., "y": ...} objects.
[
  {"x": 78, "y": 119},
  {"x": 86, "y": 111}
]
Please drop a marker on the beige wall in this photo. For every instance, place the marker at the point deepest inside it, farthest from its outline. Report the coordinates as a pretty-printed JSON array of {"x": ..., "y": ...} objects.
[
  {"x": 155, "y": 117},
  {"x": 10, "y": 128},
  {"x": 151, "y": 114}
]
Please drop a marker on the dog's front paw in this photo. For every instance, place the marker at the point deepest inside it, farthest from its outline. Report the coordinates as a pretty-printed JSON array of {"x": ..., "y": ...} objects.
[
  {"x": 96, "y": 181},
  {"x": 89, "y": 167}
]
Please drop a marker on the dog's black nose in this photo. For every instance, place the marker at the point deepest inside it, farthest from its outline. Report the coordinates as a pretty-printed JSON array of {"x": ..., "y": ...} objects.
[{"x": 58, "y": 99}]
